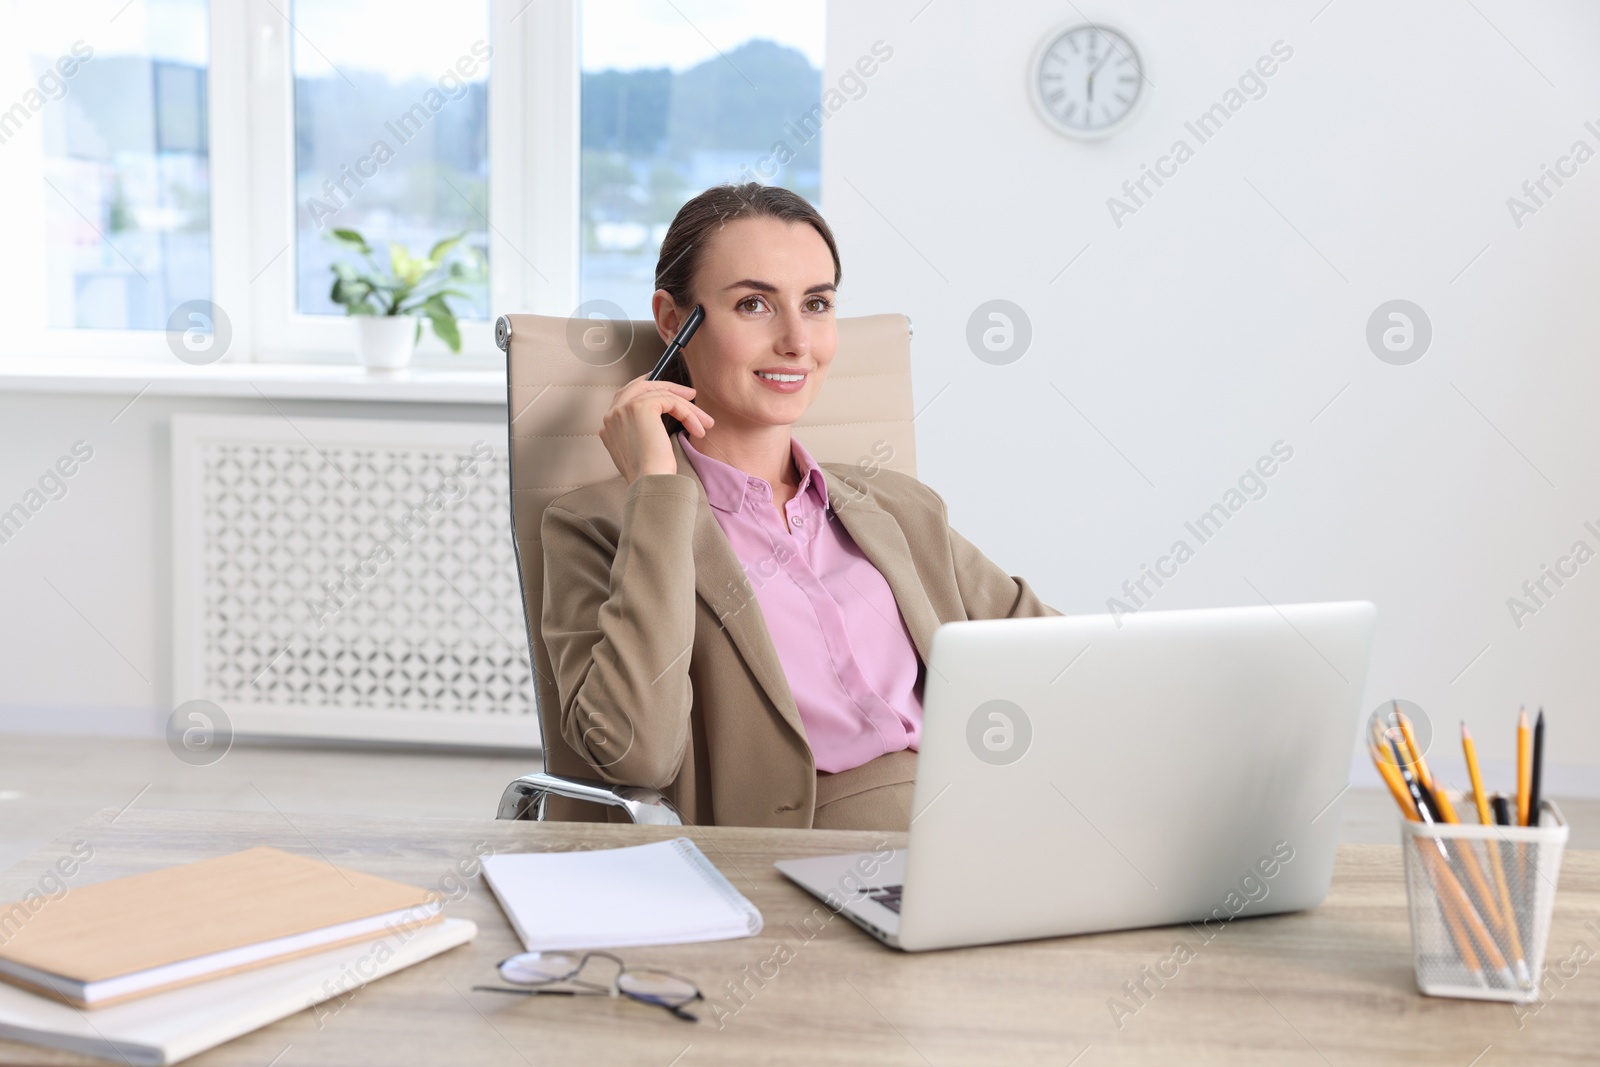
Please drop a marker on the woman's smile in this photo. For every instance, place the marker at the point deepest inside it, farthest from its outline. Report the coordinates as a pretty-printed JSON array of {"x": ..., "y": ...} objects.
[
  {"x": 783, "y": 381},
  {"x": 767, "y": 285}
]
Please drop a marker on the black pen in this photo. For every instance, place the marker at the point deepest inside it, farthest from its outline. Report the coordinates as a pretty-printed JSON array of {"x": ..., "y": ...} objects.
[
  {"x": 1422, "y": 796},
  {"x": 1419, "y": 793},
  {"x": 686, "y": 331},
  {"x": 1538, "y": 770},
  {"x": 1502, "y": 809}
]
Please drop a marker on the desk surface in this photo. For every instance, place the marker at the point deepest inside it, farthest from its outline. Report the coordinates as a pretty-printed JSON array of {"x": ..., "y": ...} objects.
[{"x": 1330, "y": 986}]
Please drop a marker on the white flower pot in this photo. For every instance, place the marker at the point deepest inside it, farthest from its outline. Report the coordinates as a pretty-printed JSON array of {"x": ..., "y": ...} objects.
[{"x": 385, "y": 342}]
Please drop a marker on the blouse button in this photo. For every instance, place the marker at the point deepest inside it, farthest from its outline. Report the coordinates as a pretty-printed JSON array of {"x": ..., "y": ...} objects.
[{"x": 798, "y": 520}]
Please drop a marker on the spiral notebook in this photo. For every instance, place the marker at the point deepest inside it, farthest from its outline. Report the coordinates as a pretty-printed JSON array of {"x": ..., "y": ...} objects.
[{"x": 666, "y": 893}]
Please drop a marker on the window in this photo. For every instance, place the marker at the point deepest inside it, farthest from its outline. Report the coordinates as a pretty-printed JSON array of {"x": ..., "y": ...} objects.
[
  {"x": 114, "y": 126},
  {"x": 391, "y": 135},
  {"x": 158, "y": 154},
  {"x": 679, "y": 96}
]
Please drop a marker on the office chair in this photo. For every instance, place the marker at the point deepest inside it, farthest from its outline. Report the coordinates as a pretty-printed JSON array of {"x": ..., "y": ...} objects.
[{"x": 561, "y": 375}]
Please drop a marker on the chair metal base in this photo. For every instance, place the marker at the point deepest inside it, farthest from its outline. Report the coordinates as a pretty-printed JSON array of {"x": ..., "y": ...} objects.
[{"x": 525, "y": 798}]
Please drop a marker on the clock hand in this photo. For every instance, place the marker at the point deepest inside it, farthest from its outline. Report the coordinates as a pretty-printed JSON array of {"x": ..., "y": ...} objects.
[
  {"x": 1109, "y": 49},
  {"x": 1096, "y": 69}
]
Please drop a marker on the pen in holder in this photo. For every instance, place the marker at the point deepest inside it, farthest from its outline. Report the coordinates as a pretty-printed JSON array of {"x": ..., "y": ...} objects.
[{"x": 1480, "y": 901}]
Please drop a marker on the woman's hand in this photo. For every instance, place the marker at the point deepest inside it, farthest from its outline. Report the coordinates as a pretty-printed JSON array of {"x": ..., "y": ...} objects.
[{"x": 634, "y": 434}]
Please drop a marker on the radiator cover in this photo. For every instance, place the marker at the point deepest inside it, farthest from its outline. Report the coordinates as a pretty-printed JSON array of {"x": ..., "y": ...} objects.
[{"x": 349, "y": 578}]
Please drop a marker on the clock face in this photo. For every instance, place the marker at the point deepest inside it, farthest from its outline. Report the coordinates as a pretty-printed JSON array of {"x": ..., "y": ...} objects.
[{"x": 1087, "y": 80}]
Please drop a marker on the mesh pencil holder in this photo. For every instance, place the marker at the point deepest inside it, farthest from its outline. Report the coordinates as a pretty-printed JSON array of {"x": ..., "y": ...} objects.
[{"x": 1481, "y": 906}]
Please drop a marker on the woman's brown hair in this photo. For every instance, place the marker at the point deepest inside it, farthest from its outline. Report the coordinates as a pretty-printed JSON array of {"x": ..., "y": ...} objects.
[{"x": 698, "y": 219}]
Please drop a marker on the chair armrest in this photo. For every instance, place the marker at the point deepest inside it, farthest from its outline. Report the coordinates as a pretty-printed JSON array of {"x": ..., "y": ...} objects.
[{"x": 526, "y": 796}]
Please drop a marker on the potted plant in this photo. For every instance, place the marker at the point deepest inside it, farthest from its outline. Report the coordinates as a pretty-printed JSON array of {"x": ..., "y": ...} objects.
[{"x": 389, "y": 305}]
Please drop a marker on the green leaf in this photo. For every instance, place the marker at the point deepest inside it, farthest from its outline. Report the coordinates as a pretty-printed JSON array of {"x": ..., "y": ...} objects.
[
  {"x": 399, "y": 259},
  {"x": 353, "y": 293},
  {"x": 353, "y": 238},
  {"x": 399, "y": 299},
  {"x": 439, "y": 251},
  {"x": 443, "y": 321},
  {"x": 414, "y": 285}
]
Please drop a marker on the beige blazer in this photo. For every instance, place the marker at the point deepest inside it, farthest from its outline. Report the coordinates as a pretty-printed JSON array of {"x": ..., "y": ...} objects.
[{"x": 666, "y": 672}]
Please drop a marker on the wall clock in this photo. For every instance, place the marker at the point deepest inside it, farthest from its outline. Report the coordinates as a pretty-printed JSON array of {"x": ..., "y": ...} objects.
[{"x": 1087, "y": 80}]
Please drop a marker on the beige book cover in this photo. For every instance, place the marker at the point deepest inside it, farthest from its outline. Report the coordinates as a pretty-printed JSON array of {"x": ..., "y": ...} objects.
[
  {"x": 131, "y": 936},
  {"x": 170, "y": 1027}
]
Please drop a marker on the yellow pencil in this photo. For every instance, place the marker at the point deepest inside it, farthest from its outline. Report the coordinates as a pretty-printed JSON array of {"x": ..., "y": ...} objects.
[
  {"x": 1447, "y": 812},
  {"x": 1524, "y": 766},
  {"x": 1450, "y": 891},
  {"x": 1479, "y": 797},
  {"x": 1391, "y": 775},
  {"x": 1419, "y": 765},
  {"x": 1452, "y": 894},
  {"x": 1464, "y": 943},
  {"x": 1486, "y": 817},
  {"x": 1459, "y": 914}
]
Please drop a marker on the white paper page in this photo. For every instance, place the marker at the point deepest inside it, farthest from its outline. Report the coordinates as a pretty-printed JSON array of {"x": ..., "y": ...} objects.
[
  {"x": 165, "y": 1028},
  {"x": 664, "y": 893}
]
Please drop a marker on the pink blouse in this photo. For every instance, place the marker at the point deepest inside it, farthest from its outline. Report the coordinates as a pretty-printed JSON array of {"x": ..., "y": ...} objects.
[{"x": 844, "y": 647}]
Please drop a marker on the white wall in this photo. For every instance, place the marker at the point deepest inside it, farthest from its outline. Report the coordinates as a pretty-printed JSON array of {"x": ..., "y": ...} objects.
[
  {"x": 94, "y": 653},
  {"x": 1205, "y": 328},
  {"x": 1193, "y": 337}
]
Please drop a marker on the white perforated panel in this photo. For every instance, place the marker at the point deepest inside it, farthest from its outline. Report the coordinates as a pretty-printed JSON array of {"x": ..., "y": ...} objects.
[{"x": 350, "y": 578}]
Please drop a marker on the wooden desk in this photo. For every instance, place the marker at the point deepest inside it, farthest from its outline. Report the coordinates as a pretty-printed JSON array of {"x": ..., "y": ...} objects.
[{"x": 1329, "y": 986}]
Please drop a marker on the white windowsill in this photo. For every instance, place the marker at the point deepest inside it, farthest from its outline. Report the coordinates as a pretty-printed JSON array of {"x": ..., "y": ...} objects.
[{"x": 287, "y": 381}]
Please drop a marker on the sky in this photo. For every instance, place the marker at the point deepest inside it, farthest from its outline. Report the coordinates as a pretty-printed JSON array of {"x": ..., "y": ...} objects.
[
  {"x": 166, "y": 29},
  {"x": 679, "y": 34},
  {"x": 408, "y": 38}
]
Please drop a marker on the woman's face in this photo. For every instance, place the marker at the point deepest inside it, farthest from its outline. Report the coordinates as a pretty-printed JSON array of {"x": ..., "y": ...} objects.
[{"x": 767, "y": 289}]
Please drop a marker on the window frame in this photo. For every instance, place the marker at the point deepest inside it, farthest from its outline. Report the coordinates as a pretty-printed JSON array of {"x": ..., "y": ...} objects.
[{"x": 533, "y": 192}]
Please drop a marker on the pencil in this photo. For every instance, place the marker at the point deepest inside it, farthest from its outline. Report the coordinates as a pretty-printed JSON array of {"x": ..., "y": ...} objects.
[
  {"x": 1419, "y": 765},
  {"x": 1453, "y": 895},
  {"x": 1390, "y": 772},
  {"x": 1391, "y": 777},
  {"x": 1445, "y": 884},
  {"x": 1419, "y": 799},
  {"x": 1424, "y": 773},
  {"x": 1479, "y": 798},
  {"x": 1524, "y": 765},
  {"x": 1486, "y": 817},
  {"x": 1469, "y": 861},
  {"x": 1406, "y": 751},
  {"x": 1464, "y": 943}
]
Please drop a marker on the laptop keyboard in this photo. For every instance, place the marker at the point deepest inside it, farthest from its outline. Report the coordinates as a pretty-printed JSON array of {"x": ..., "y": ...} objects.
[{"x": 888, "y": 896}]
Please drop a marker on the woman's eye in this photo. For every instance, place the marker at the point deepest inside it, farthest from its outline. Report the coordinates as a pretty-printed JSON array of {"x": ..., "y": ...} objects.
[{"x": 755, "y": 303}]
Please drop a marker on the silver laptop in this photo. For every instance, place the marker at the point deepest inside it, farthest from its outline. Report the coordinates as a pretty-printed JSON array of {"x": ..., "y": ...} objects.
[{"x": 1083, "y": 773}]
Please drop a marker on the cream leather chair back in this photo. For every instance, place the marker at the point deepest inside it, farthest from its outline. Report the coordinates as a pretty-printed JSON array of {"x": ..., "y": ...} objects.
[{"x": 561, "y": 375}]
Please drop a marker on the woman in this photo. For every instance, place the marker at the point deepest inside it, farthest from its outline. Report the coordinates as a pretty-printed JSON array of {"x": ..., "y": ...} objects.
[{"x": 729, "y": 621}]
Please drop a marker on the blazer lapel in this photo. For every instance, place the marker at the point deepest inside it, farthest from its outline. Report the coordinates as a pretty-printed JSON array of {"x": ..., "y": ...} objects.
[
  {"x": 880, "y": 538},
  {"x": 720, "y": 581}
]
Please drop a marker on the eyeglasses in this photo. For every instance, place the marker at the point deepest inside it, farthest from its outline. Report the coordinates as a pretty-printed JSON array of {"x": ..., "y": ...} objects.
[{"x": 531, "y": 972}]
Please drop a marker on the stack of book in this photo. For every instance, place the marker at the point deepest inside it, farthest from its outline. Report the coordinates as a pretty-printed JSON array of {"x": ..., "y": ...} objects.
[{"x": 156, "y": 967}]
